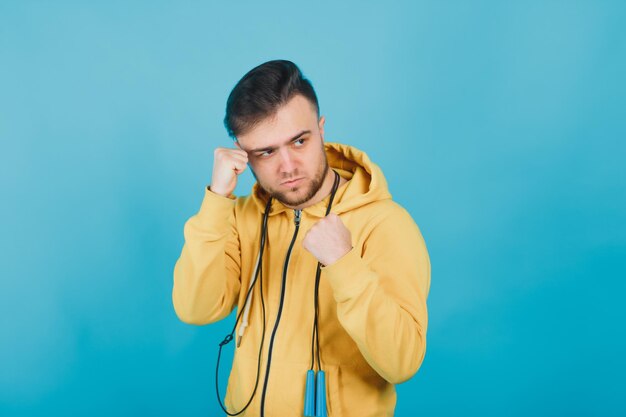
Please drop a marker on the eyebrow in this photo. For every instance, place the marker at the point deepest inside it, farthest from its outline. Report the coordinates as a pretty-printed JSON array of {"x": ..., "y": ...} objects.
[{"x": 271, "y": 148}]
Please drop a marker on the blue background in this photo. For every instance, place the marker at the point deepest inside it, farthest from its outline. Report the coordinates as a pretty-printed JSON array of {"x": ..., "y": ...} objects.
[{"x": 500, "y": 126}]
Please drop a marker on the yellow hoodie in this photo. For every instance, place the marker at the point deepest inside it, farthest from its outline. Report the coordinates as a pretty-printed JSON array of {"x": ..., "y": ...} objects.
[{"x": 372, "y": 301}]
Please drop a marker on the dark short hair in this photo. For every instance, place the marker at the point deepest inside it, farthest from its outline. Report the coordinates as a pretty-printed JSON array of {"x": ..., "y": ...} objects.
[{"x": 261, "y": 92}]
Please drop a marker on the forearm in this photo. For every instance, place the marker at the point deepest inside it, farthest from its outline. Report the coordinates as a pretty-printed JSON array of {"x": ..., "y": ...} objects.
[
  {"x": 206, "y": 275},
  {"x": 388, "y": 327}
]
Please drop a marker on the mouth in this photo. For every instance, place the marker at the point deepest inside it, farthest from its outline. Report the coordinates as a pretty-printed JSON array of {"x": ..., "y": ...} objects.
[{"x": 292, "y": 182}]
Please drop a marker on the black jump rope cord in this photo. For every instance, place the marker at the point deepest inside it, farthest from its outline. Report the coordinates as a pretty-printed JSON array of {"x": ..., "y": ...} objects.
[
  {"x": 229, "y": 337},
  {"x": 315, "y": 335}
]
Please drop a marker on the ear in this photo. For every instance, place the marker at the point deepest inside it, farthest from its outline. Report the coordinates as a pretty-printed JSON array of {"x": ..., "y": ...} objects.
[{"x": 321, "y": 127}]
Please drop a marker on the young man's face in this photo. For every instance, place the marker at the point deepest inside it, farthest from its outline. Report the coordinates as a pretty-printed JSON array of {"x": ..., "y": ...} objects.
[{"x": 286, "y": 152}]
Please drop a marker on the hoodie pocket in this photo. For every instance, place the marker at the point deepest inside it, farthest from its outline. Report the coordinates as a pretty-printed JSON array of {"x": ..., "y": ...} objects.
[
  {"x": 285, "y": 389},
  {"x": 241, "y": 384},
  {"x": 332, "y": 391}
]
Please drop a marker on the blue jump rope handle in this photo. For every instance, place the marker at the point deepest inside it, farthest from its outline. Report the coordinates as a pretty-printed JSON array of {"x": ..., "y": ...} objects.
[
  {"x": 309, "y": 395},
  {"x": 320, "y": 408}
]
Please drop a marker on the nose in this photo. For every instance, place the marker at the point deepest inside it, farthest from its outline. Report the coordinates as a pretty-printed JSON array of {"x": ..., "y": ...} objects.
[{"x": 287, "y": 162}]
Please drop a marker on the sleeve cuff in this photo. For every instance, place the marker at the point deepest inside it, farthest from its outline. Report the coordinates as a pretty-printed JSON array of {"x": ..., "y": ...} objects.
[
  {"x": 216, "y": 210},
  {"x": 348, "y": 276}
]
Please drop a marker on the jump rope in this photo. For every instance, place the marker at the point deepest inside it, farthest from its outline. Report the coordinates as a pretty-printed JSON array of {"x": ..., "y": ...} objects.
[{"x": 315, "y": 391}]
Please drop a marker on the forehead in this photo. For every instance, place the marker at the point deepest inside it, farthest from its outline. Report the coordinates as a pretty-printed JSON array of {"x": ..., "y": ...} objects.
[{"x": 296, "y": 115}]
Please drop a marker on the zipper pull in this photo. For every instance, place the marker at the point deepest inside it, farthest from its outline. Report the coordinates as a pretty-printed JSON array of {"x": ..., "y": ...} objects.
[{"x": 298, "y": 215}]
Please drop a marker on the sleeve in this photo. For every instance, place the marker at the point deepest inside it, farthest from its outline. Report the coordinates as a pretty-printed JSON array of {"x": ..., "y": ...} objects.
[
  {"x": 381, "y": 296},
  {"x": 207, "y": 273}
]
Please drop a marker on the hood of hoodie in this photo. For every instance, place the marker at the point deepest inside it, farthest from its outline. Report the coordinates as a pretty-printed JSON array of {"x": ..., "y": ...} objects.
[{"x": 366, "y": 183}]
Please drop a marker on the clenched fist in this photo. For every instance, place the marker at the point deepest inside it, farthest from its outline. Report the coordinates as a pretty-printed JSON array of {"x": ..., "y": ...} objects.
[
  {"x": 227, "y": 165},
  {"x": 328, "y": 240}
]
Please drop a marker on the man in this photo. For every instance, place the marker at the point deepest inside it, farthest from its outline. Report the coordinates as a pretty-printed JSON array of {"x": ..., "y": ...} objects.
[{"x": 356, "y": 327}]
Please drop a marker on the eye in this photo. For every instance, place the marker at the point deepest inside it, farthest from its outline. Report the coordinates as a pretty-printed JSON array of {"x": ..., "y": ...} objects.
[
  {"x": 301, "y": 140},
  {"x": 265, "y": 154}
]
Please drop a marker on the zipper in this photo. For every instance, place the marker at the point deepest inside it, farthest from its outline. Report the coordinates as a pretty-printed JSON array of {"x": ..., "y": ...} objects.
[{"x": 297, "y": 217}]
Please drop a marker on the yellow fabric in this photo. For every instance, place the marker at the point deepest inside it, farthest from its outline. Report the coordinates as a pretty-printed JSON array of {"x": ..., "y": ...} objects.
[{"x": 372, "y": 313}]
